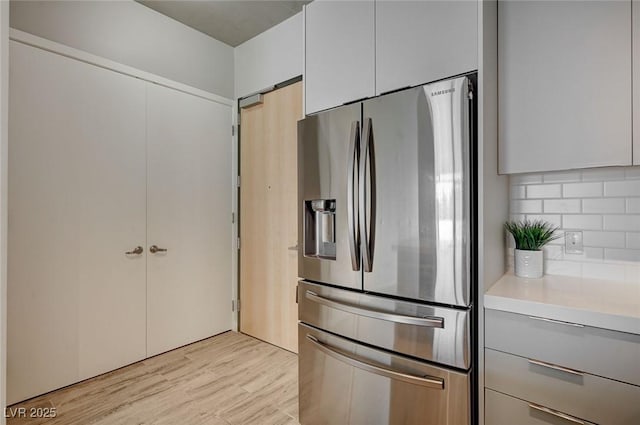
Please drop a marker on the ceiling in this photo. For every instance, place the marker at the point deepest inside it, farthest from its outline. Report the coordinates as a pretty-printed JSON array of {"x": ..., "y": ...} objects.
[{"x": 231, "y": 21}]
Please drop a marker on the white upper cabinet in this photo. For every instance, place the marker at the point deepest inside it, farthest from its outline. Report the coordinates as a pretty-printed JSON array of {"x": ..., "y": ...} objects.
[
  {"x": 565, "y": 85},
  {"x": 422, "y": 41},
  {"x": 339, "y": 53},
  {"x": 635, "y": 8}
]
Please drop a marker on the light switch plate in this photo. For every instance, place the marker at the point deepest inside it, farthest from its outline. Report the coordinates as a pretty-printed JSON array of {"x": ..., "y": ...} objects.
[{"x": 573, "y": 243}]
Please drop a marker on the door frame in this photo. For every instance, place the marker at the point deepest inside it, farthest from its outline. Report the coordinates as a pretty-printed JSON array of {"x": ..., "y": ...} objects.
[{"x": 241, "y": 103}]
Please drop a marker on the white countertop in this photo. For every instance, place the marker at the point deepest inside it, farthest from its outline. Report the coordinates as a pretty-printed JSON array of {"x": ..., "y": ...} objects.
[{"x": 590, "y": 302}]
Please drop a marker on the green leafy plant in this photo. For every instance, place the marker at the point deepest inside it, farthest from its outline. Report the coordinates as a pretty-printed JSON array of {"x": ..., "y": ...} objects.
[{"x": 531, "y": 235}]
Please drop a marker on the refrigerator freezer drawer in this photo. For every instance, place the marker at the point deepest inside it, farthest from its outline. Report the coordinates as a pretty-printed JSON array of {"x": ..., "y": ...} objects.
[
  {"x": 343, "y": 382},
  {"x": 436, "y": 334}
]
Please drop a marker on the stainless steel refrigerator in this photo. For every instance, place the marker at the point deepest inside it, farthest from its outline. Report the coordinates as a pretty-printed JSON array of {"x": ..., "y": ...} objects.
[{"x": 387, "y": 259}]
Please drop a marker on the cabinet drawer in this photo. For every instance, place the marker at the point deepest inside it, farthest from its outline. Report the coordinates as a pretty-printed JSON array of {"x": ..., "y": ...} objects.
[
  {"x": 597, "y": 399},
  {"x": 597, "y": 351},
  {"x": 501, "y": 409}
]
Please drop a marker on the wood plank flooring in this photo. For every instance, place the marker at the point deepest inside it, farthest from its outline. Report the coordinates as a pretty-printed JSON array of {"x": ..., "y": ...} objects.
[{"x": 228, "y": 379}]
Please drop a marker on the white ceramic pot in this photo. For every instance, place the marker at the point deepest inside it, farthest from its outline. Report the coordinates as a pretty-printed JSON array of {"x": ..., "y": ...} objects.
[{"x": 528, "y": 263}]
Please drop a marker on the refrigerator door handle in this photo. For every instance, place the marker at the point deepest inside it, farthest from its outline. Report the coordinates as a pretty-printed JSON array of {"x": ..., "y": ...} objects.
[
  {"x": 429, "y": 322},
  {"x": 352, "y": 206},
  {"x": 367, "y": 224},
  {"x": 425, "y": 381}
]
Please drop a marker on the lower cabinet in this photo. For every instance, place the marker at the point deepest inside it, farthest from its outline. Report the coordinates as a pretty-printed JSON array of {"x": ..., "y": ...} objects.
[
  {"x": 502, "y": 409},
  {"x": 542, "y": 371},
  {"x": 101, "y": 167}
]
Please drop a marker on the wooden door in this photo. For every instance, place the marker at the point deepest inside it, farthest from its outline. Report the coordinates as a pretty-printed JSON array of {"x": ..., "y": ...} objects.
[
  {"x": 189, "y": 214},
  {"x": 76, "y": 301},
  {"x": 269, "y": 217}
]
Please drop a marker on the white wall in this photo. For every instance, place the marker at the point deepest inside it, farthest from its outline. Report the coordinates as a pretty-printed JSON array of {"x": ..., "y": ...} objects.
[
  {"x": 134, "y": 35},
  {"x": 4, "y": 107},
  {"x": 270, "y": 58}
]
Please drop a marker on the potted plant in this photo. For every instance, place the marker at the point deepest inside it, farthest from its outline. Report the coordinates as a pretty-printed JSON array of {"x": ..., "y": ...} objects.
[{"x": 530, "y": 237}]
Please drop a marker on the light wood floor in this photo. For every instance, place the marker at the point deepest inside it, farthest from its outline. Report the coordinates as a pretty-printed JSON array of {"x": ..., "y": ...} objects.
[{"x": 228, "y": 379}]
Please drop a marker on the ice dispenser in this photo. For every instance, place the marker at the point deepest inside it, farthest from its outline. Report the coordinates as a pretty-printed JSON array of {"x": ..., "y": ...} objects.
[{"x": 320, "y": 229}]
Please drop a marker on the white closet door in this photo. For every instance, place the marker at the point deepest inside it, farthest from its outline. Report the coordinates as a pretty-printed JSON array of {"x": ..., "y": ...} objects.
[
  {"x": 189, "y": 214},
  {"x": 76, "y": 302}
]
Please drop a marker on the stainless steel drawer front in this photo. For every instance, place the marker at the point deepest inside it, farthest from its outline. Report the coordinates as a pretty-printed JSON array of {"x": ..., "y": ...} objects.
[
  {"x": 437, "y": 334},
  {"x": 596, "y": 351},
  {"x": 343, "y": 382},
  {"x": 562, "y": 389},
  {"x": 425, "y": 381},
  {"x": 501, "y": 409},
  {"x": 432, "y": 322}
]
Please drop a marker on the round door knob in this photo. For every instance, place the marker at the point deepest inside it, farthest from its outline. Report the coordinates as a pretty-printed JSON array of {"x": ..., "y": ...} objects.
[
  {"x": 154, "y": 248},
  {"x": 136, "y": 251}
]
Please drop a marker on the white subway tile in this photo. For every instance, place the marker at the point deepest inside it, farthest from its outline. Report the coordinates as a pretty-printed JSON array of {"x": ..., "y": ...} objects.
[
  {"x": 559, "y": 240},
  {"x": 517, "y": 192},
  {"x": 563, "y": 268},
  {"x": 553, "y": 252},
  {"x": 628, "y": 222},
  {"x": 612, "y": 254},
  {"x": 588, "y": 254},
  {"x": 604, "y": 239},
  {"x": 544, "y": 191},
  {"x": 526, "y": 178},
  {"x": 633, "y": 205},
  {"x": 526, "y": 207},
  {"x": 602, "y": 174},
  {"x": 517, "y": 217},
  {"x": 603, "y": 205},
  {"x": 632, "y": 173},
  {"x": 553, "y": 219},
  {"x": 582, "y": 221},
  {"x": 582, "y": 190},
  {"x": 562, "y": 206},
  {"x": 616, "y": 272},
  {"x": 623, "y": 188},
  {"x": 561, "y": 177},
  {"x": 633, "y": 240}
]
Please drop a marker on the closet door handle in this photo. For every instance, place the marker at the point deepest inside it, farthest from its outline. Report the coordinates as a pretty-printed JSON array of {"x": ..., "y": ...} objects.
[
  {"x": 136, "y": 251},
  {"x": 154, "y": 248}
]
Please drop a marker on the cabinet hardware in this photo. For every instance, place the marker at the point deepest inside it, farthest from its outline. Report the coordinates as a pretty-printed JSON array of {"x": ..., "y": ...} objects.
[
  {"x": 154, "y": 248},
  {"x": 559, "y": 322},
  {"x": 555, "y": 367},
  {"x": 557, "y": 414},
  {"x": 136, "y": 251}
]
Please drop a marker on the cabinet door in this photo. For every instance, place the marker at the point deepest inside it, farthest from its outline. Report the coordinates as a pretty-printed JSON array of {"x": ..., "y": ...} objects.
[
  {"x": 76, "y": 302},
  {"x": 189, "y": 214},
  {"x": 565, "y": 84},
  {"x": 635, "y": 9},
  {"x": 422, "y": 41},
  {"x": 339, "y": 53}
]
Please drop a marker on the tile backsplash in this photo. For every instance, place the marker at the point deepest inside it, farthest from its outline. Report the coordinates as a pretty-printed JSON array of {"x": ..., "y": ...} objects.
[{"x": 602, "y": 203}]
